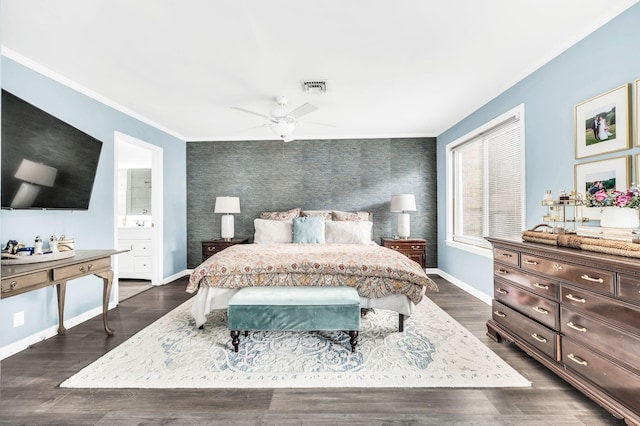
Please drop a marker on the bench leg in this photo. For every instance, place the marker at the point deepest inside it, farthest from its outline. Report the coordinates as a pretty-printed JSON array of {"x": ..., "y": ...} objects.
[
  {"x": 235, "y": 341},
  {"x": 400, "y": 323},
  {"x": 353, "y": 340}
]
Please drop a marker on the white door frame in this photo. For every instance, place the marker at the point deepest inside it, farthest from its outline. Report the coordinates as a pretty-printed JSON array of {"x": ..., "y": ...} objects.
[{"x": 157, "y": 210}]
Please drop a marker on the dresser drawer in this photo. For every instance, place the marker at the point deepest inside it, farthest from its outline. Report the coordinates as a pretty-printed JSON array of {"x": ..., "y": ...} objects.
[
  {"x": 629, "y": 288},
  {"x": 69, "y": 272},
  {"x": 542, "y": 310},
  {"x": 609, "y": 310},
  {"x": 17, "y": 285},
  {"x": 589, "y": 277},
  {"x": 537, "y": 284},
  {"x": 611, "y": 341},
  {"x": 536, "y": 335},
  {"x": 616, "y": 380},
  {"x": 506, "y": 256},
  {"x": 142, "y": 264},
  {"x": 142, "y": 248}
]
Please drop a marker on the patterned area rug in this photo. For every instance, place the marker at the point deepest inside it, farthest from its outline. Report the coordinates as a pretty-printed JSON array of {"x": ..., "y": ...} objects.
[{"x": 433, "y": 351}]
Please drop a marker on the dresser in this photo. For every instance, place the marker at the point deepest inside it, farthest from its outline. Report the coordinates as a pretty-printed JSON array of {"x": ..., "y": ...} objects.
[
  {"x": 576, "y": 312},
  {"x": 413, "y": 248},
  {"x": 211, "y": 247}
]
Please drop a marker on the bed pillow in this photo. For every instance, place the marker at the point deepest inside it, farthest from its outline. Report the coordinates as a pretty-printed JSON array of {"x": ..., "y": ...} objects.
[
  {"x": 360, "y": 216},
  {"x": 316, "y": 213},
  {"x": 308, "y": 230},
  {"x": 272, "y": 231},
  {"x": 285, "y": 215},
  {"x": 346, "y": 232}
]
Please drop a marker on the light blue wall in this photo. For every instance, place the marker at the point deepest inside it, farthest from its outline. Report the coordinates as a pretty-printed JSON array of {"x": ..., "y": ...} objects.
[
  {"x": 604, "y": 60},
  {"x": 94, "y": 228}
]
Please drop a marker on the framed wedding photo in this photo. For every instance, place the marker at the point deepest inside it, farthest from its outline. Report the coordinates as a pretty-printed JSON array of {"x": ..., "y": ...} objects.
[
  {"x": 607, "y": 174},
  {"x": 602, "y": 124}
]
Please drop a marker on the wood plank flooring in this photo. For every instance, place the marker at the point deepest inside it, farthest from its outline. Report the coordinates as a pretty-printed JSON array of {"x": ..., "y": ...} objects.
[{"x": 29, "y": 392}]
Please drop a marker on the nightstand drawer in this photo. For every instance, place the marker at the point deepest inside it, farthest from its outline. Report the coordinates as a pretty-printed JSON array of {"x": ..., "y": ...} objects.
[
  {"x": 211, "y": 247},
  {"x": 414, "y": 249}
]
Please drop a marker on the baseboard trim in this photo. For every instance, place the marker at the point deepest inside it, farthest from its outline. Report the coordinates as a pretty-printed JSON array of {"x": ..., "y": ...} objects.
[
  {"x": 464, "y": 286},
  {"x": 176, "y": 276},
  {"x": 22, "y": 344}
]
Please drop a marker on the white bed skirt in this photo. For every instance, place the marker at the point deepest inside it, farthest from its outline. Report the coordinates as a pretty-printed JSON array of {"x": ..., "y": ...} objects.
[{"x": 209, "y": 299}]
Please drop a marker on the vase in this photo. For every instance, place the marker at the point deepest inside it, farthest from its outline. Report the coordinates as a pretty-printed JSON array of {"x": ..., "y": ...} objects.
[{"x": 619, "y": 217}]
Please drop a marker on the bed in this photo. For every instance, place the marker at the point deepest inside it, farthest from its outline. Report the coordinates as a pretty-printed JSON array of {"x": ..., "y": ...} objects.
[{"x": 311, "y": 249}]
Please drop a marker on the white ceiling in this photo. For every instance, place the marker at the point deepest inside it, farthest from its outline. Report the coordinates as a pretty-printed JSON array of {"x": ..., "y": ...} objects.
[{"x": 394, "y": 68}]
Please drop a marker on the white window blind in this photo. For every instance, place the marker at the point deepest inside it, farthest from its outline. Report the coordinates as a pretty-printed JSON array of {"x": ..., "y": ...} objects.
[{"x": 487, "y": 176}]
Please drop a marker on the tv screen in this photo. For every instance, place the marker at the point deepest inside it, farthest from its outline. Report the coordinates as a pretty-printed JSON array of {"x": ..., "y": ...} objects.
[{"x": 46, "y": 163}]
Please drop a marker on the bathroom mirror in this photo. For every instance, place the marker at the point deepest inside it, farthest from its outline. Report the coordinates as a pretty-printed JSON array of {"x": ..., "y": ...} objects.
[{"x": 138, "y": 191}]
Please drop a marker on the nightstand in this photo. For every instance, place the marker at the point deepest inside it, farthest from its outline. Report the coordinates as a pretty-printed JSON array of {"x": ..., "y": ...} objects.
[
  {"x": 211, "y": 247},
  {"x": 413, "y": 248}
]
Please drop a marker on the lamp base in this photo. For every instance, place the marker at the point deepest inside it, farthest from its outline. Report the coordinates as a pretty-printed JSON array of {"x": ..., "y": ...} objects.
[
  {"x": 404, "y": 226},
  {"x": 226, "y": 230}
]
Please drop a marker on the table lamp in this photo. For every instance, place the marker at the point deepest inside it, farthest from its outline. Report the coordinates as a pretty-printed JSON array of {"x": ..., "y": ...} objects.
[
  {"x": 227, "y": 206},
  {"x": 401, "y": 204}
]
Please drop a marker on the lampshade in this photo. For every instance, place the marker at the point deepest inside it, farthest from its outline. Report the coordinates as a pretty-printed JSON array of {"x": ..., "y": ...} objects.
[
  {"x": 227, "y": 205},
  {"x": 403, "y": 203},
  {"x": 36, "y": 173}
]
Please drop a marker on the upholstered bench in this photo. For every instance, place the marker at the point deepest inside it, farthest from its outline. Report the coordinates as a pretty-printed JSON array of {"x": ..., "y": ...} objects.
[{"x": 294, "y": 309}]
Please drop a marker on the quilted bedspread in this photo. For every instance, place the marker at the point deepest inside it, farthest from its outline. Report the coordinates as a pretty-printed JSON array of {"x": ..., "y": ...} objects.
[{"x": 373, "y": 270}]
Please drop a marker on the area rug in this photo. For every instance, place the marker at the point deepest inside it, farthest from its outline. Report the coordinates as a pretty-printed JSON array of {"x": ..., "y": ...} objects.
[{"x": 433, "y": 351}]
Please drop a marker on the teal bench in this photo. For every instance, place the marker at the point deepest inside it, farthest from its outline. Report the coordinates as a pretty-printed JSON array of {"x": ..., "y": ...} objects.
[{"x": 294, "y": 309}]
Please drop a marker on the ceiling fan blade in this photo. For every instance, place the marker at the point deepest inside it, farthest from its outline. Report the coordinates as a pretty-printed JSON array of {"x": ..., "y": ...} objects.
[
  {"x": 248, "y": 111},
  {"x": 303, "y": 109}
]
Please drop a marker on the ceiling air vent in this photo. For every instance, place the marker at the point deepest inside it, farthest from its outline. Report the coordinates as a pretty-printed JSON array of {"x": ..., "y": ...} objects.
[{"x": 314, "y": 86}]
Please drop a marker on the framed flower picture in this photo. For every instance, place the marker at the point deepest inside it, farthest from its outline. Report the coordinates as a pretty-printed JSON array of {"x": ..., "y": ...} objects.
[
  {"x": 602, "y": 123},
  {"x": 610, "y": 174}
]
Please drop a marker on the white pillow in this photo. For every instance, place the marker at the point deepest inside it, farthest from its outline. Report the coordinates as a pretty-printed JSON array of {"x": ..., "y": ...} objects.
[
  {"x": 272, "y": 231},
  {"x": 344, "y": 232}
]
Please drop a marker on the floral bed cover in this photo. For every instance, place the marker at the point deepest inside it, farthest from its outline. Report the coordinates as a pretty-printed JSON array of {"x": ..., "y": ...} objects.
[{"x": 373, "y": 270}]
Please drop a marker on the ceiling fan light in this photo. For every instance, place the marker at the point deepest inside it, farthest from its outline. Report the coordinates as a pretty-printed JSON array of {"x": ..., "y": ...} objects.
[{"x": 283, "y": 128}]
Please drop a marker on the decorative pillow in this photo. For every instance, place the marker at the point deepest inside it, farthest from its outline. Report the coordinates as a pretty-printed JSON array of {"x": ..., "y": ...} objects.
[
  {"x": 348, "y": 232},
  {"x": 308, "y": 230},
  {"x": 360, "y": 216},
  {"x": 286, "y": 215},
  {"x": 316, "y": 213},
  {"x": 272, "y": 231}
]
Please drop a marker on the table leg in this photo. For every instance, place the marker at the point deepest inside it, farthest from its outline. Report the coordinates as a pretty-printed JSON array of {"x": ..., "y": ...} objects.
[
  {"x": 107, "y": 277},
  {"x": 61, "y": 289}
]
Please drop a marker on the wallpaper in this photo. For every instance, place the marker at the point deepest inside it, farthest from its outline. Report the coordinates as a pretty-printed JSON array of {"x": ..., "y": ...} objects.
[{"x": 346, "y": 174}]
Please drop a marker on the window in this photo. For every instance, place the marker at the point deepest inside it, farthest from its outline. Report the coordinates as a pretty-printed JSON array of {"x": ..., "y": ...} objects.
[{"x": 485, "y": 174}]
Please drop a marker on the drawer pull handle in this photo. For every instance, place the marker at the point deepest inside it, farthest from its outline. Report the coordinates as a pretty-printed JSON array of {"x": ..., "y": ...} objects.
[
  {"x": 501, "y": 291},
  {"x": 542, "y": 286},
  {"x": 557, "y": 267},
  {"x": 540, "y": 310},
  {"x": 12, "y": 286},
  {"x": 416, "y": 248},
  {"x": 500, "y": 314},
  {"x": 502, "y": 271},
  {"x": 539, "y": 338},
  {"x": 530, "y": 262},
  {"x": 506, "y": 254},
  {"x": 211, "y": 248},
  {"x": 576, "y": 327},
  {"x": 577, "y": 360},
  {"x": 594, "y": 280},
  {"x": 576, "y": 299},
  {"x": 82, "y": 269}
]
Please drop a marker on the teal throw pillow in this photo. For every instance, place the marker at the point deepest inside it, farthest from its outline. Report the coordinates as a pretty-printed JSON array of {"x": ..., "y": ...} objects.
[{"x": 308, "y": 230}]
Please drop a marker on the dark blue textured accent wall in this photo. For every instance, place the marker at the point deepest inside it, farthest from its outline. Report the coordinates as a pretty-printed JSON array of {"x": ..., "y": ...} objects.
[{"x": 346, "y": 174}]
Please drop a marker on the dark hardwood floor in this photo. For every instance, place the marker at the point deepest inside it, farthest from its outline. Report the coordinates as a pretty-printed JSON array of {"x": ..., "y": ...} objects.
[{"x": 29, "y": 392}]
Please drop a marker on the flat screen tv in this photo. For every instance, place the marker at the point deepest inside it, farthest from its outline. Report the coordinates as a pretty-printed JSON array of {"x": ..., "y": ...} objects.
[{"x": 46, "y": 163}]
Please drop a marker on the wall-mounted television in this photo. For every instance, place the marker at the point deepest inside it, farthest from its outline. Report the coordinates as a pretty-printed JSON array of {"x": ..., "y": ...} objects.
[{"x": 46, "y": 163}]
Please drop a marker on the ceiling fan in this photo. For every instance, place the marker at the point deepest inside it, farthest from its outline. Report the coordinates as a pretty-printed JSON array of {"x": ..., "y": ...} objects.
[{"x": 282, "y": 121}]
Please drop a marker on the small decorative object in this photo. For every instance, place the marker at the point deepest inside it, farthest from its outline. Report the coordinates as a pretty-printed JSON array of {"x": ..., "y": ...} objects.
[
  {"x": 227, "y": 206},
  {"x": 602, "y": 123},
  {"x": 401, "y": 204},
  {"x": 65, "y": 244},
  {"x": 37, "y": 246},
  {"x": 53, "y": 244},
  {"x": 619, "y": 208}
]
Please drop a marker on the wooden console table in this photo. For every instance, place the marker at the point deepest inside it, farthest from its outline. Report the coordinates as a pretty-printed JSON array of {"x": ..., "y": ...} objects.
[{"x": 18, "y": 279}]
